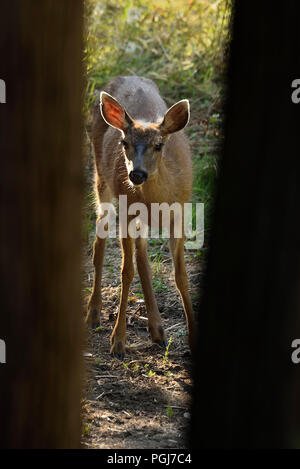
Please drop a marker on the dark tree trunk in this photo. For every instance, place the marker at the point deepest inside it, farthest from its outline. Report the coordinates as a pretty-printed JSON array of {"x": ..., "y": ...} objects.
[
  {"x": 247, "y": 390},
  {"x": 41, "y": 182}
]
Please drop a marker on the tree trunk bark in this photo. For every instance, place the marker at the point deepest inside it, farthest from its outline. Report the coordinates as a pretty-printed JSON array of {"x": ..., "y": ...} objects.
[
  {"x": 40, "y": 235},
  {"x": 246, "y": 386}
]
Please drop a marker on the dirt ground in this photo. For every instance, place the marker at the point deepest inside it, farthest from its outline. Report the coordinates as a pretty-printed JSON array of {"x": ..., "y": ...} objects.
[{"x": 144, "y": 401}]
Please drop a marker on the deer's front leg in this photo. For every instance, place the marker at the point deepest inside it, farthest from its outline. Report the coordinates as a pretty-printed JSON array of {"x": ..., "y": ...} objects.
[
  {"x": 118, "y": 337},
  {"x": 177, "y": 248},
  {"x": 95, "y": 301},
  {"x": 154, "y": 318}
]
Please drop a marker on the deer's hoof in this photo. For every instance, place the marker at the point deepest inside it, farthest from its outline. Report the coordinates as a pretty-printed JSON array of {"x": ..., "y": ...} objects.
[
  {"x": 93, "y": 317},
  {"x": 161, "y": 343},
  {"x": 120, "y": 356},
  {"x": 118, "y": 349},
  {"x": 158, "y": 335}
]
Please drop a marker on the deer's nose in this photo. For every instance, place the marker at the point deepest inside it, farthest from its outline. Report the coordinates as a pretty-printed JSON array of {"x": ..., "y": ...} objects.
[{"x": 138, "y": 176}]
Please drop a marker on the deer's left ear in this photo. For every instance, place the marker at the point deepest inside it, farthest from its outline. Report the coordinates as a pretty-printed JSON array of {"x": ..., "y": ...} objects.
[{"x": 176, "y": 118}]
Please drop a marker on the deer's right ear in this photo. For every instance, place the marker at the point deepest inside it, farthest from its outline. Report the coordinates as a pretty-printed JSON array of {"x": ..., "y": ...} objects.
[{"x": 113, "y": 113}]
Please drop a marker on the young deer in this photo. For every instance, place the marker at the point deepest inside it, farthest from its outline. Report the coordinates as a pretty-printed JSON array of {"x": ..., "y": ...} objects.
[{"x": 140, "y": 152}]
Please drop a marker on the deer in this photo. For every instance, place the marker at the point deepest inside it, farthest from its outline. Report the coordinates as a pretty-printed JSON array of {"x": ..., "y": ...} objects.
[{"x": 140, "y": 151}]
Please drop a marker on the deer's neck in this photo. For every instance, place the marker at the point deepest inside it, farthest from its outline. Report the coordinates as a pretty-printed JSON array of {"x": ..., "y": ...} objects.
[{"x": 157, "y": 186}]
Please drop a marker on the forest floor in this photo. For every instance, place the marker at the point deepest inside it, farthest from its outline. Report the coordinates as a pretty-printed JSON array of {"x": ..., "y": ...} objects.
[{"x": 144, "y": 401}]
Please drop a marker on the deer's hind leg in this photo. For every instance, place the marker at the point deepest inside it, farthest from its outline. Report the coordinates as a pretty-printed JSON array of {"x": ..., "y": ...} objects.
[
  {"x": 95, "y": 301},
  {"x": 181, "y": 281}
]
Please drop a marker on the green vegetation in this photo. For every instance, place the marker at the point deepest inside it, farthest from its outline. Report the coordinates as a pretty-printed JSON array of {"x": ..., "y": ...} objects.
[
  {"x": 179, "y": 44},
  {"x": 157, "y": 260},
  {"x": 99, "y": 361},
  {"x": 87, "y": 429},
  {"x": 166, "y": 355},
  {"x": 169, "y": 410},
  {"x": 158, "y": 285}
]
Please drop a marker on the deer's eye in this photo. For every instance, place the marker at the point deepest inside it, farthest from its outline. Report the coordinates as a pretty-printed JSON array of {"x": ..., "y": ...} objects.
[
  {"x": 125, "y": 144},
  {"x": 158, "y": 146}
]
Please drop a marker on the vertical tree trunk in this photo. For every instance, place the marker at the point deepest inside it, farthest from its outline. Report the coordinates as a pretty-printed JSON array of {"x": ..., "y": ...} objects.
[
  {"x": 246, "y": 387},
  {"x": 41, "y": 182}
]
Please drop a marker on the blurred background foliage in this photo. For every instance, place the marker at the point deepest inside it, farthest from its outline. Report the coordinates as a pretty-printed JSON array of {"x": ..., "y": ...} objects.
[{"x": 179, "y": 44}]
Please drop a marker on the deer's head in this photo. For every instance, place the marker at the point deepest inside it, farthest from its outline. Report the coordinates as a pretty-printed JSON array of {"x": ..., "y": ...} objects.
[{"x": 143, "y": 142}]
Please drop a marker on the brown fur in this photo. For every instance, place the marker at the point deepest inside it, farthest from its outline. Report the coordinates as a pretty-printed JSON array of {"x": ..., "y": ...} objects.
[{"x": 169, "y": 180}]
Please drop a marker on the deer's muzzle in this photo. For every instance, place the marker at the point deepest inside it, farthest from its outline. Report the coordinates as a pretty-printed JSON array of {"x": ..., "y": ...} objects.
[{"x": 138, "y": 176}]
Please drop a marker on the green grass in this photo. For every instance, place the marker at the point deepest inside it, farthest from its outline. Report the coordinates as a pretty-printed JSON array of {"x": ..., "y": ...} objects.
[
  {"x": 169, "y": 411},
  {"x": 177, "y": 43},
  {"x": 180, "y": 45},
  {"x": 166, "y": 355},
  {"x": 205, "y": 171},
  {"x": 158, "y": 285},
  {"x": 87, "y": 429},
  {"x": 157, "y": 262}
]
